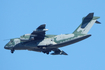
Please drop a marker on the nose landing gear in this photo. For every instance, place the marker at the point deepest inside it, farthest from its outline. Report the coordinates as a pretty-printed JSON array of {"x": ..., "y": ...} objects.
[{"x": 12, "y": 50}]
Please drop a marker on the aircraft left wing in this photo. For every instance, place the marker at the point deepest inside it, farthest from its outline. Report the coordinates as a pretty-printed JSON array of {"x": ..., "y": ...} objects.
[
  {"x": 39, "y": 33},
  {"x": 58, "y": 52}
]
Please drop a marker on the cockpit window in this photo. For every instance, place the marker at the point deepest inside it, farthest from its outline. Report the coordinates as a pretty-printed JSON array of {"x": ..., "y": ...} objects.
[
  {"x": 23, "y": 35},
  {"x": 10, "y": 41}
]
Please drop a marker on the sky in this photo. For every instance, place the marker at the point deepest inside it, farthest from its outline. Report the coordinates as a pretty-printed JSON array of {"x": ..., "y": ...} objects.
[{"x": 19, "y": 17}]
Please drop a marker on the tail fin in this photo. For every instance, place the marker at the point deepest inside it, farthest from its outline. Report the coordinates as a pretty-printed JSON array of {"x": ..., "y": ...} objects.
[{"x": 87, "y": 23}]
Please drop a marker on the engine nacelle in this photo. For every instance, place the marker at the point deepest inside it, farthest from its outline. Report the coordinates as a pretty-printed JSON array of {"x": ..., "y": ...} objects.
[
  {"x": 41, "y": 30},
  {"x": 59, "y": 53}
]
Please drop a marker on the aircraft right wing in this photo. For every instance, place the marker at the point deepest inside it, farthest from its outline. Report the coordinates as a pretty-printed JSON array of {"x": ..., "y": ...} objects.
[{"x": 58, "y": 52}]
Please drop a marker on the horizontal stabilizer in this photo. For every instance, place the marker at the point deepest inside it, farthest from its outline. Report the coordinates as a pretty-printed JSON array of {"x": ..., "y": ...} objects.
[{"x": 98, "y": 22}]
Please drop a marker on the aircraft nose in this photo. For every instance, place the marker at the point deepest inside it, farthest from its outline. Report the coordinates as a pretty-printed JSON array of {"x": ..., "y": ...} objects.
[
  {"x": 8, "y": 47},
  {"x": 5, "y": 47}
]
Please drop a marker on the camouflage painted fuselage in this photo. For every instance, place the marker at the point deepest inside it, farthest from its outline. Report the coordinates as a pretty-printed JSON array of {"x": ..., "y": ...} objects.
[
  {"x": 38, "y": 41},
  {"x": 47, "y": 44}
]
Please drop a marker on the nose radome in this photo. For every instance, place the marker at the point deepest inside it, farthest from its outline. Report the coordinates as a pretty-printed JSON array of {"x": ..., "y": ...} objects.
[
  {"x": 5, "y": 47},
  {"x": 8, "y": 47}
]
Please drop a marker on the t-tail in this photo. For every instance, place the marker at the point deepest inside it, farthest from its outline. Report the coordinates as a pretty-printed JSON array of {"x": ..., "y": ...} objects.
[{"x": 87, "y": 23}]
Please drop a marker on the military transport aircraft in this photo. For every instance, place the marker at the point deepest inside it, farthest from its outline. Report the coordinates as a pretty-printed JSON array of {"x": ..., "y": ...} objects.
[{"x": 40, "y": 42}]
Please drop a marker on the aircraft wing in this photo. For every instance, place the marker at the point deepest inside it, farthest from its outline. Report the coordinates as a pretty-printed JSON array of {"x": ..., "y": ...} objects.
[
  {"x": 58, "y": 52},
  {"x": 39, "y": 33}
]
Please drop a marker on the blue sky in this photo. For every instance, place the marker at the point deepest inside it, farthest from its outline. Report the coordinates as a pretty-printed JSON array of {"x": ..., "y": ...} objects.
[{"x": 18, "y": 17}]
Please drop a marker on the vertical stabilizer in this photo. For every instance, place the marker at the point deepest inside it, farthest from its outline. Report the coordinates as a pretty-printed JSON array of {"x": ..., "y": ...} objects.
[{"x": 87, "y": 23}]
